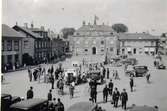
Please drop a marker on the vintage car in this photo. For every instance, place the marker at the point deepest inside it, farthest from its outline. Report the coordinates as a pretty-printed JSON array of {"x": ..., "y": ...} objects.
[
  {"x": 82, "y": 106},
  {"x": 30, "y": 105},
  {"x": 129, "y": 61},
  {"x": 140, "y": 71},
  {"x": 95, "y": 75},
  {"x": 129, "y": 70},
  {"x": 7, "y": 100},
  {"x": 70, "y": 75},
  {"x": 161, "y": 66},
  {"x": 143, "y": 108}
]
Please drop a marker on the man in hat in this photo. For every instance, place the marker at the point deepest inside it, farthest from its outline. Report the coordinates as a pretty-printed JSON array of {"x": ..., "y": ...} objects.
[
  {"x": 116, "y": 96},
  {"x": 110, "y": 86},
  {"x": 124, "y": 98},
  {"x": 30, "y": 93}
]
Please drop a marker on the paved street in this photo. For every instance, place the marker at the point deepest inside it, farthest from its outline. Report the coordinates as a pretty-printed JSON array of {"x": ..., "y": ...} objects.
[{"x": 17, "y": 83}]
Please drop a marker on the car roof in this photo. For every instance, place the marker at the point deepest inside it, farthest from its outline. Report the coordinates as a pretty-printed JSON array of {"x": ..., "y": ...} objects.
[
  {"x": 82, "y": 106},
  {"x": 28, "y": 104},
  {"x": 5, "y": 95}
]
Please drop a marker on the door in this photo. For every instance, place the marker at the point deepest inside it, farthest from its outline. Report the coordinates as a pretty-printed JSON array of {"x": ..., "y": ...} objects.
[
  {"x": 94, "y": 50},
  {"x": 134, "y": 51}
]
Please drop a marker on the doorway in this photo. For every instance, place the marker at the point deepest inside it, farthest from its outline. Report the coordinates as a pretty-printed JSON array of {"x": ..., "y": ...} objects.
[
  {"x": 94, "y": 50},
  {"x": 134, "y": 51}
]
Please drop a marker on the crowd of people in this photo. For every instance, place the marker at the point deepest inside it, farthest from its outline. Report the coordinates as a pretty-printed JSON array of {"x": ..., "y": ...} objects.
[{"x": 109, "y": 90}]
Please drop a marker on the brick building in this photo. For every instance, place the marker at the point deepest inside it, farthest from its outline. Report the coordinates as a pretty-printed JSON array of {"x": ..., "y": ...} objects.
[
  {"x": 11, "y": 48},
  {"x": 34, "y": 45}
]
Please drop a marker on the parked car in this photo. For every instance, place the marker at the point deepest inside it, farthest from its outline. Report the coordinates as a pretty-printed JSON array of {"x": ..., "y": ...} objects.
[
  {"x": 95, "y": 75},
  {"x": 7, "y": 100},
  {"x": 161, "y": 66},
  {"x": 82, "y": 106},
  {"x": 140, "y": 71},
  {"x": 130, "y": 61},
  {"x": 129, "y": 70},
  {"x": 30, "y": 105}
]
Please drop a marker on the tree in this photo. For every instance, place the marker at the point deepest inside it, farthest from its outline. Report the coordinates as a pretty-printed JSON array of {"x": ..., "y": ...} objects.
[
  {"x": 120, "y": 28},
  {"x": 67, "y": 31}
]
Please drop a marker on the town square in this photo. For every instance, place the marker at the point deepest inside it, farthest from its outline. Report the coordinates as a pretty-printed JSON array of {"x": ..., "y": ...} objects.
[{"x": 94, "y": 66}]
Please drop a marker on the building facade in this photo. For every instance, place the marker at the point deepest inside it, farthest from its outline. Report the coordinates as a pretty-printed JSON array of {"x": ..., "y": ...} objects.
[
  {"x": 11, "y": 48},
  {"x": 138, "y": 43},
  {"x": 34, "y": 46},
  {"x": 93, "y": 40}
]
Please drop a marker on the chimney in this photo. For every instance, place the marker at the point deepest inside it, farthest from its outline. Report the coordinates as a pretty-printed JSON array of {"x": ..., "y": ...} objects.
[
  {"x": 16, "y": 23},
  {"x": 89, "y": 23},
  {"x": 103, "y": 23},
  {"x": 26, "y": 25}
]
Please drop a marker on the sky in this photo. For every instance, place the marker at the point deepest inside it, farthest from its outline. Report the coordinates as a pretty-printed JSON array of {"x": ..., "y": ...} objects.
[{"x": 139, "y": 15}]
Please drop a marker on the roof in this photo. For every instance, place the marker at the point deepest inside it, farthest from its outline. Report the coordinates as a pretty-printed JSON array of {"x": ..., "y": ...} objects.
[
  {"x": 94, "y": 30},
  {"x": 101, "y": 28},
  {"x": 137, "y": 36},
  {"x": 28, "y": 104},
  {"x": 9, "y": 32},
  {"x": 26, "y": 30},
  {"x": 81, "y": 106}
]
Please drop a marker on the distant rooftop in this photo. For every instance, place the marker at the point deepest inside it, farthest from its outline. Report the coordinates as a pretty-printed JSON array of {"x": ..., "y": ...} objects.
[
  {"x": 26, "y": 30},
  {"x": 10, "y": 32},
  {"x": 136, "y": 36}
]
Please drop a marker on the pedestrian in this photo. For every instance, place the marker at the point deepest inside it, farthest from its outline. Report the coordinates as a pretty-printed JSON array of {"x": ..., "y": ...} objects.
[
  {"x": 104, "y": 72},
  {"x": 52, "y": 69},
  {"x": 59, "y": 105},
  {"x": 110, "y": 86},
  {"x": 105, "y": 93},
  {"x": 108, "y": 73},
  {"x": 50, "y": 95},
  {"x": 35, "y": 74},
  {"x": 71, "y": 90},
  {"x": 93, "y": 94},
  {"x": 30, "y": 93},
  {"x": 148, "y": 77},
  {"x": 29, "y": 74},
  {"x": 116, "y": 96},
  {"x": 116, "y": 75},
  {"x": 131, "y": 83},
  {"x": 124, "y": 98},
  {"x": 52, "y": 81}
]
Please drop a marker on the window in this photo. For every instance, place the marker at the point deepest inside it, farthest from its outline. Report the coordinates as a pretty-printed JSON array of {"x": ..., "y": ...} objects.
[
  {"x": 102, "y": 50},
  {"x": 16, "y": 45},
  {"x": 111, "y": 49},
  {"x": 152, "y": 43},
  {"x": 9, "y": 45},
  {"x": 102, "y": 42},
  {"x": 3, "y": 45},
  {"x": 26, "y": 44},
  {"x": 86, "y": 50}
]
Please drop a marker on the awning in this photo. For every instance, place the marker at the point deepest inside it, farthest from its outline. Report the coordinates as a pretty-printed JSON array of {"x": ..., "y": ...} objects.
[
  {"x": 152, "y": 49},
  {"x": 128, "y": 49},
  {"x": 146, "y": 49}
]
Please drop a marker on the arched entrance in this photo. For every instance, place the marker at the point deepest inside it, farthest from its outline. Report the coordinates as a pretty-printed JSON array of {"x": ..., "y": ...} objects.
[{"x": 94, "y": 50}]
